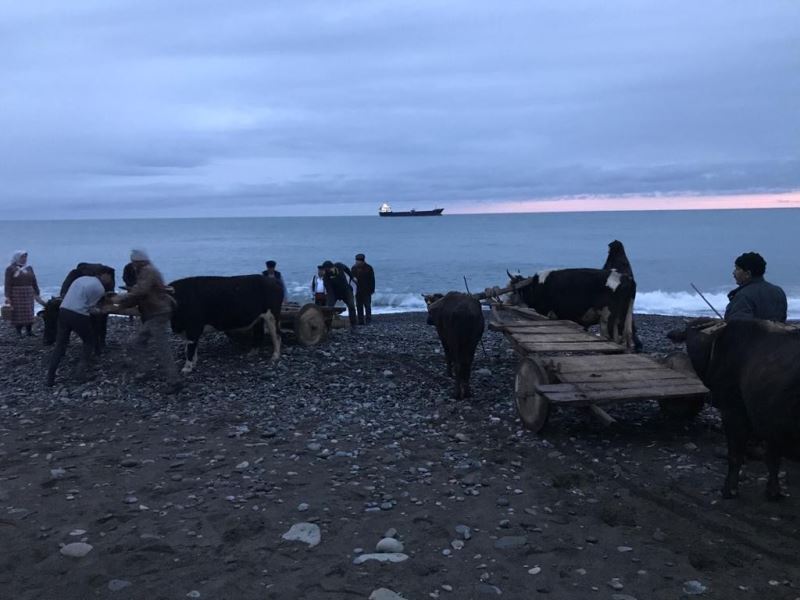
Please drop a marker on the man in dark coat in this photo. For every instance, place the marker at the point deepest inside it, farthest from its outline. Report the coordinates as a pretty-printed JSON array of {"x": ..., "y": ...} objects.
[
  {"x": 129, "y": 276},
  {"x": 271, "y": 272},
  {"x": 364, "y": 275},
  {"x": 337, "y": 287},
  {"x": 755, "y": 298}
]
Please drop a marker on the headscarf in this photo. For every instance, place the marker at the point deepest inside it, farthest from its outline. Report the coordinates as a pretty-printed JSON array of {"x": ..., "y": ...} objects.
[
  {"x": 139, "y": 255},
  {"x": 15, "y": 262}
]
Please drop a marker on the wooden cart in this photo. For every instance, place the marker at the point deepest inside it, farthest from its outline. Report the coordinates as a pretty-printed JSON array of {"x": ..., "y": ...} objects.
[
  {"x": 564, "y": 365},
  {"x": 309, "y": 323}
]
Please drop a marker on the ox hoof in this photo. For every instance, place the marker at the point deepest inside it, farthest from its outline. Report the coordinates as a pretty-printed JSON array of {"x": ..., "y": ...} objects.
[
  {"x": 186, "y": 370},
  {"x": 730, "y": 494},
  {"x": 774, "y": 495}
]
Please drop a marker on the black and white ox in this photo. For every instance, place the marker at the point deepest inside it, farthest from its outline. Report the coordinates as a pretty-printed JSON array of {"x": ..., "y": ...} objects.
[
  {"x": 459, "y": 322},
  {"x": 52, "y": 307},
  {"x": 242, "y": 302},
  {"x": 753, "y": 372},
  {"x": 585, "y": 296}
]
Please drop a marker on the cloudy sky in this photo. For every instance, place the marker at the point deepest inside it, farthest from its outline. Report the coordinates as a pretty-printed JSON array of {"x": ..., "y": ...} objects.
[{"x": 256, "y": 107}]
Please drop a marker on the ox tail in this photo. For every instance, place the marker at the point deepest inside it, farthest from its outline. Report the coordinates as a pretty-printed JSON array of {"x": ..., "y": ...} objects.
[
  {"x": 627, "y": 330},
  {"x": 272, "y": 320}
]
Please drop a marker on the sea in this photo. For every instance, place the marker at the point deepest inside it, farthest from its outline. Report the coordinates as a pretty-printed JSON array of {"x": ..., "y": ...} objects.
[{"x": 669, "y": 250}]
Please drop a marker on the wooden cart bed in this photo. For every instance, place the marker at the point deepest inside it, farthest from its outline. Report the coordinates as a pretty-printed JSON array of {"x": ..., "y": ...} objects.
[{"x": 563, "y": 364}]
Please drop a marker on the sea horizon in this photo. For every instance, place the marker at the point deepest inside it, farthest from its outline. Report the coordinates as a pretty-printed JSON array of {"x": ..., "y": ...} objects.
[{"x": 669, "y": 250}]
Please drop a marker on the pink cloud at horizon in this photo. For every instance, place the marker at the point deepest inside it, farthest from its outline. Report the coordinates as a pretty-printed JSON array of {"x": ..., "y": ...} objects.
[{"x": 631, "y": 203}]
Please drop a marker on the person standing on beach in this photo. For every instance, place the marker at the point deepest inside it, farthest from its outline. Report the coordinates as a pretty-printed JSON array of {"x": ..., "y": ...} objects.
[
  {"x": 155, "y": 304},
  {"x": 618, "y": 260},
  {"x": 337, "y": 287},
  {"x": 318, "y": 286},
  {"x": 80, "y": 300},
  {"x": 271, "y": 272},
  {"x": 755, "y": 298},
  {"x": 364, "y": 275},
  {"x": 21, "y": 289}
]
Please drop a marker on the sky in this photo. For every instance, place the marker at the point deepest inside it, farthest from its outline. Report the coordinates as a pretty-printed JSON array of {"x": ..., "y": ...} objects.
[{"x": 153, "y": 108}]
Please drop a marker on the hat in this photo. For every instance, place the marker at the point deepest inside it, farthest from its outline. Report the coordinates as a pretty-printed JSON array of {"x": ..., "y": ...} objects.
[
  {"x": 320, "y": 267},
  {"x": 327, "y": 264},
  {"x": 139, "y": 255},
  {"x": 271, "y": 263},
  {"x": 360, "y": 256}
]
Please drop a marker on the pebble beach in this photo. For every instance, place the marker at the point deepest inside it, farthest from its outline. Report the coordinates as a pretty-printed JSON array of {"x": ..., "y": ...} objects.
[{"x": 346, "y": 471}]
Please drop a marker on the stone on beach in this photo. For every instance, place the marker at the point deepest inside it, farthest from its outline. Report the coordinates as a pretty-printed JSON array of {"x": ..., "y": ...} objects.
[
  {"x": 308, "y": 533},
  {"x": 76, "y": 549},
  {"x": 391, "y": 557},
  {"x": 385, "y": 594},
  {"x": 389, "y": 545}
]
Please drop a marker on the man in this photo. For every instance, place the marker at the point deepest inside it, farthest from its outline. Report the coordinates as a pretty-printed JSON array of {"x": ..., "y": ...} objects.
[
  {"x": 364, "y": 275},
  {"x": 129, "y": 276},
  {"x": 271, "y": 272},
  {"x": 155, "y": 305},
  {"x": 318, "y": 286},
  {"x": 755, "y": 298},
  {"x": 80, "y": 300},
  {"x": 337, "y": 287}
]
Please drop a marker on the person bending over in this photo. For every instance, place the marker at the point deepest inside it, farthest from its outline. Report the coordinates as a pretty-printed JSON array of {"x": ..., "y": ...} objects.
[{"x": 80, "y": 300}]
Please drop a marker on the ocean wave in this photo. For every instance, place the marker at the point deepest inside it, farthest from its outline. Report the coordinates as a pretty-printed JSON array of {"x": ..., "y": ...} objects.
[
  {"x": 657, "y": 302},
  {"x": 689, "y": 304}
]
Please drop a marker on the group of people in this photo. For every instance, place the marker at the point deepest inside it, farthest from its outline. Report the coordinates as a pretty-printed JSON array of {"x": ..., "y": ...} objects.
[
  {"x": 147, "y": 291},
  {"x": 334, "y": 282},
  {"x": 753, "y": 298}
]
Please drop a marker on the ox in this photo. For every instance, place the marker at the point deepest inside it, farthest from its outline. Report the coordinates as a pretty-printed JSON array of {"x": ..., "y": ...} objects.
[
  {"x": 459, "y": 322},
  {"x": 585, "y": 296},
  {"x": 752, "y": 371},
  {"x": 51, "y": 308},
  {"x": 226, "y": 304}
]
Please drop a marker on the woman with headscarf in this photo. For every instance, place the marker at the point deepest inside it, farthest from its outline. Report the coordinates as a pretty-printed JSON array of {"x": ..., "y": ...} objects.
[{"x": 21, "y": 290}]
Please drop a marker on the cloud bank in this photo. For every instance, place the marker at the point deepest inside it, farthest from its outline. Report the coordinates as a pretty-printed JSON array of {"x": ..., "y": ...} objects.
[{"x": 149, "y": 108}]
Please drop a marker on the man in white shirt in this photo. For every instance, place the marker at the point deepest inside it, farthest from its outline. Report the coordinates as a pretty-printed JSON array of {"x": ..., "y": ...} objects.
[
  {"x": 318, "y": 286},
  {"x": 81, "y": 298}
]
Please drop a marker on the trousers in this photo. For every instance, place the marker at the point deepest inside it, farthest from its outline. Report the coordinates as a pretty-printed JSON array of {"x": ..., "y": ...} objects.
[{"x": 69, "y": 321}]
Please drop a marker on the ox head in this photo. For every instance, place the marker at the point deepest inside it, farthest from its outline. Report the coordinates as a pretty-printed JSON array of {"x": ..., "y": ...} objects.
[
  {"x": 49, "y": 315},
  {"x": 520, "y": 294},
  {"x": 432, "y": 303},
  {"x": 700, "y": 335}
]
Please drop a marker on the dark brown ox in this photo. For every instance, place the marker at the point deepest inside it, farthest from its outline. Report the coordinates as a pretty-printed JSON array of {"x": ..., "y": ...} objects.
[
  {"x": 753, "y": 372},
  {"x": 585, "y": 296},
  {"x": 459, "y": 322}
]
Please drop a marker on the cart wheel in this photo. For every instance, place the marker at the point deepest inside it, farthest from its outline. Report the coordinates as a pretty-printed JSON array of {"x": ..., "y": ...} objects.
[
  {"x": 681, "y": 408},
  {"x": 532, "y": 407},
  {"x": 309, "y": 325}
]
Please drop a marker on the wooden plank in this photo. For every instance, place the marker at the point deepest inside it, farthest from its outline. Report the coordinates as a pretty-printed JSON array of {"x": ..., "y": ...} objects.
[
  {"x": 608, "y": 386},
  {"x": 558, "y": 336},
  {"x": 589, "y": 346},
  {"x": 661, "y": 373},
  {"x": 574, "y": 364},
  {"x": 639, "y": 393},
  {"x": 538, "y": 325}
]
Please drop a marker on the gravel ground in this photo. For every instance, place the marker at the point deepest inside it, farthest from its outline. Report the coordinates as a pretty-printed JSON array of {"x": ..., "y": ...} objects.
[{"x": 351, "y": 442}]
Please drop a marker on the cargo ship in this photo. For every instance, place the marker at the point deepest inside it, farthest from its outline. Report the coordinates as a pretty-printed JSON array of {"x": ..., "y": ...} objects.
[{"x": 386, "y": 211}]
